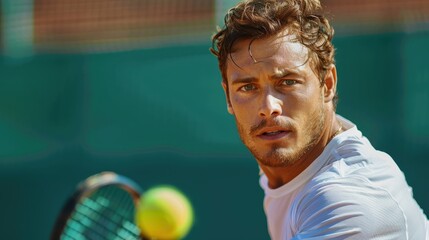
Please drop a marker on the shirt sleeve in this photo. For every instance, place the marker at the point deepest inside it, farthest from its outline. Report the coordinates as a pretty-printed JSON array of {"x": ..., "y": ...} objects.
[{"x": 347, "y": 208}]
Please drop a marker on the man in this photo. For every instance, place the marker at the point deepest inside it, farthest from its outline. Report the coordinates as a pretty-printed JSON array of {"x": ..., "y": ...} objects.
[{"x": 322, "y": 179}]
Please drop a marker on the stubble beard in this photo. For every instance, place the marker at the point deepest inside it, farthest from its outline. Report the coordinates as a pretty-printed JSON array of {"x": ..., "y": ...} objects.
[{"x": 281, "y": 156}]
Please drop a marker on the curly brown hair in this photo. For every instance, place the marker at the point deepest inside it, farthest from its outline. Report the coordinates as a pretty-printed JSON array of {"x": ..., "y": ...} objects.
[{"x": 253, "y": 19}]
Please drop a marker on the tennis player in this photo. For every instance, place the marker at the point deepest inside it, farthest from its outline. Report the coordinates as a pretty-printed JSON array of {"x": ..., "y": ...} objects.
[{"x": 321, "y": 177}]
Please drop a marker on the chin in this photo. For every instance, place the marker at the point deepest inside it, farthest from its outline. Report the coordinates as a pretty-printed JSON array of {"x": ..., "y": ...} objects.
[{"x": 279, "y": 157}]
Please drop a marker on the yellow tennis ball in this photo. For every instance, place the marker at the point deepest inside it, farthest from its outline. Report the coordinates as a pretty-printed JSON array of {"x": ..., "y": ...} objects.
[{"x": 164, "y": 213}]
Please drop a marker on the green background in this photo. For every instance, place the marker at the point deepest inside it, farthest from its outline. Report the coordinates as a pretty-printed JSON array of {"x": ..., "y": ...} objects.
[{"x": 158, "y": 116}]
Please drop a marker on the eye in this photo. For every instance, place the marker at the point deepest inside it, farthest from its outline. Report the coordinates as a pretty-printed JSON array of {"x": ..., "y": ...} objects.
[
  {"x": 247, "y": 87},
  {"x": 288, "y": 82}
]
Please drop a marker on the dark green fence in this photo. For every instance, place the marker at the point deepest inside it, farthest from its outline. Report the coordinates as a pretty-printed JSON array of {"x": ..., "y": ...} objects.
[{"x": 158, "y": 116}]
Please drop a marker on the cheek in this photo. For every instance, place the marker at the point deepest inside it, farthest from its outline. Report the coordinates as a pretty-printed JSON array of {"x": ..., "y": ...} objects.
[
  {"x": 243, "y": 114},
  {"x": 304, "y": 101},
  {"x": 244, "y": 110}
]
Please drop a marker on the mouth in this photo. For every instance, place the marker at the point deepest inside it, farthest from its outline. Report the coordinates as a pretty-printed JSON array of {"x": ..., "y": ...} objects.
[{"x": 273, "y": 134}]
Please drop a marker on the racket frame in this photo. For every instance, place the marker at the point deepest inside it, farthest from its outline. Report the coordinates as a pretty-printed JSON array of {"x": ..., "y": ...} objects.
[{"x": 86, "y": 188}]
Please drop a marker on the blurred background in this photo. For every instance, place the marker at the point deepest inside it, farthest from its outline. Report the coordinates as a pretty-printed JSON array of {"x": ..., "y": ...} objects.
[{"x": 130, "y": 86}]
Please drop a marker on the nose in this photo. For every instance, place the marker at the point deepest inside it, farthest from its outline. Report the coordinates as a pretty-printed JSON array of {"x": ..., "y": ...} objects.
[{"x": 271, "y": 106}]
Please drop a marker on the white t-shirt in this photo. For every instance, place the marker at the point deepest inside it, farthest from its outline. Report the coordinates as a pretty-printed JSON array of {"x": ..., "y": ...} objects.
[{"x": 351, "y": 191}]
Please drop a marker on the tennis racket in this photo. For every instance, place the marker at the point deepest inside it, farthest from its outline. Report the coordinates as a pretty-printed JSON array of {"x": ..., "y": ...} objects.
[{"x": 102, "y": 208}]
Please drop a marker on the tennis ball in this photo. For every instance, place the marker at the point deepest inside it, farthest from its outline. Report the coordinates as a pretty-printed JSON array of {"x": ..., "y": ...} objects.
[{"x": 164, "y": 213}]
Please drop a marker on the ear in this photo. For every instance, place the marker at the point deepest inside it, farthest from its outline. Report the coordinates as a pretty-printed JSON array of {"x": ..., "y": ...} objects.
[
  {"x": 228, "y": 102},
  {"x": 330, "y": 87}
]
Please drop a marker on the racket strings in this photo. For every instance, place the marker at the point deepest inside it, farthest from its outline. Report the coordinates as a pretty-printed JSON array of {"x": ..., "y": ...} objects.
[{"x": 106, "y": 214}]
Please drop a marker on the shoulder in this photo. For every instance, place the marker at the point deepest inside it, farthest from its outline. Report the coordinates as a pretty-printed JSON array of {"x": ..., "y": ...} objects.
[
  {"x": 347, "y": 207},
  {"x": 354, "y": 155}
]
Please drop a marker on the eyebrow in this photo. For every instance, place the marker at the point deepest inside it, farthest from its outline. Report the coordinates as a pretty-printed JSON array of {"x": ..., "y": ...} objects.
[
  {"x": 279, "y": 75},
  {"x": 244, "y": 80},
  {"x": 283, "y": 73}
]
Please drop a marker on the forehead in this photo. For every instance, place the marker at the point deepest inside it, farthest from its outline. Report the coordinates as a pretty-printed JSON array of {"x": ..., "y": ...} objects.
[{"x": 280, "y": 51}]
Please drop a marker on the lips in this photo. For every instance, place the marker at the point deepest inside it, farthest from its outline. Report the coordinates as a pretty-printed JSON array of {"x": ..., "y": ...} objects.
[{"x": 273, "y": 133}]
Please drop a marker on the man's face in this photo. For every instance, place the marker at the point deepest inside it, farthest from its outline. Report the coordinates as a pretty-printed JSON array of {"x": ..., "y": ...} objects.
[{"x": 276, "y": 98}]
